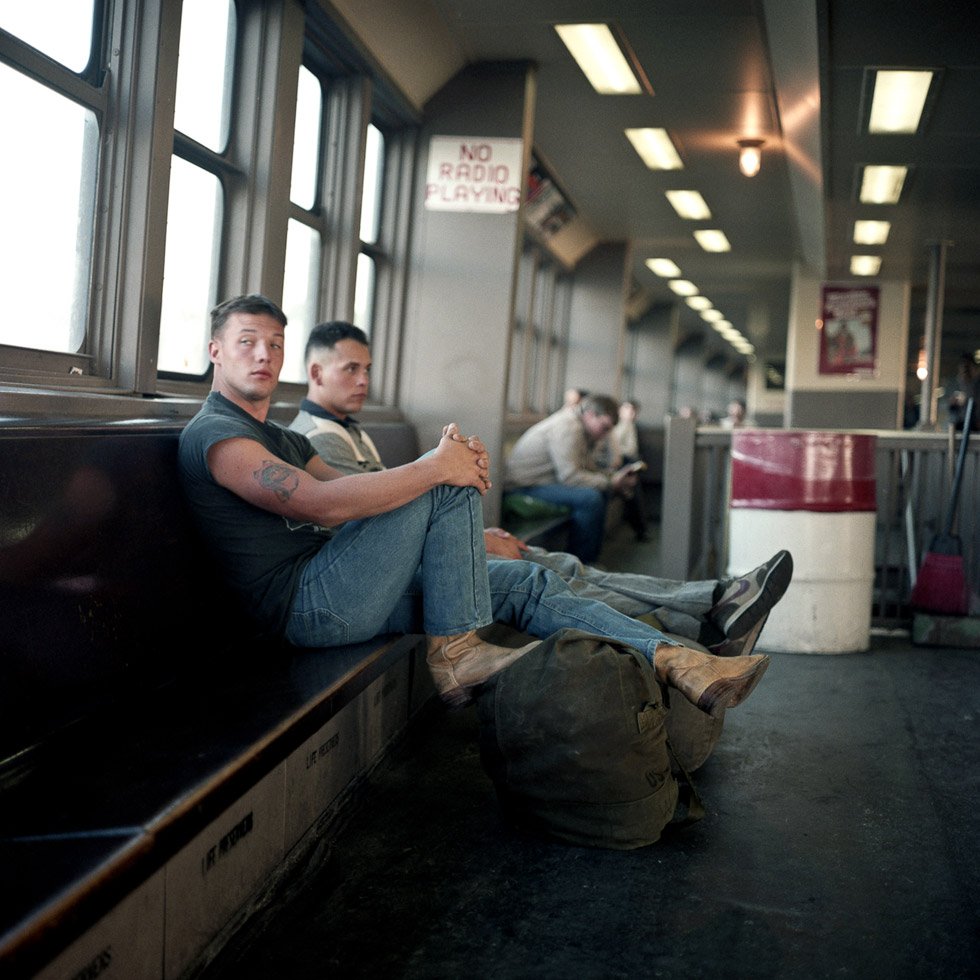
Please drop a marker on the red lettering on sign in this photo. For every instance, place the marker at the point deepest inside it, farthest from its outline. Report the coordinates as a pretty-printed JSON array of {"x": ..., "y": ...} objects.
[{"x": 478, "y": 151}]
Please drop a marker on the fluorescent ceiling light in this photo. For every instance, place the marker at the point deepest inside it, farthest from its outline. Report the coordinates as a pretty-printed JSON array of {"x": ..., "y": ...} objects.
[
  {"x": 871, "y": 232},
  {"x": 898, "y": 101},
  {"x": 712, "y": 240},
  {"x": 721, "y": 326},
  {"x": 689, "y": 204},
  {"x": 600, "y": 58},
  {"x": 655, "y": 148},
  {"x": 865, "y": 265},
  {"x": 664, "y": 268},
  {"x": 882, "y": 184},
  {"x": 698, "y": 302},
  {"x": 683, "y": 287},
  {"x": 712, "y": 316}
]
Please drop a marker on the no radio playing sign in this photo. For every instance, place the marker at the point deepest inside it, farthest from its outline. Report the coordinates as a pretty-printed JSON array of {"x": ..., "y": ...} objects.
[{"x": 473, "y": 174}]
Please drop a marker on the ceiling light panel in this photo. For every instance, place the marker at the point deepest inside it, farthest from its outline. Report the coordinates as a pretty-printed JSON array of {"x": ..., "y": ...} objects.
[
  {"x": 712, "y": 240},
  {"x": 712, "y": 316},
  {"x": 683, "y": 287},
  {"x": 689, "y": 204},
  {"x": 899, "y": 98},
  {"x": 601, "y": 59},
  {"x": 656, "y": 149},
  {"x": 865, "y": 265},
  {"x": 664, "y": 268},
  {"x": 698, "y": 302},
  {"x": 871, "y": 232},
  {"x": 882, "y": 184}
]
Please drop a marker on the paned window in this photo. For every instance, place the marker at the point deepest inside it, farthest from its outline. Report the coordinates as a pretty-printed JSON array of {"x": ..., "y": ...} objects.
[
  {"x": 48, "y": 177},
  {"x": 202, "y": 113}
]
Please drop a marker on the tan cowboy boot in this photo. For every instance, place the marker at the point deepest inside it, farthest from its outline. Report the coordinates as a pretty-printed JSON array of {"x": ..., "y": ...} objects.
[
  {"x": 458, "y": 663},
  {"x": 711, "y": 683}
]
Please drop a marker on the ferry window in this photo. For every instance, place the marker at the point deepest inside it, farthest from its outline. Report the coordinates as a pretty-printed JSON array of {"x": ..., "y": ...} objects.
[
  {"x": 306, "y": 140},
  {"x": 540, "y": 335},
  {"x": 190, "y": 269},
  {"x": 373, "y": 174},
  {"x": 364, "y": 293},
  {"x": 301, "y": 280},
  {"x": 47, "y": 199},
  {"x": 371, "y": 200},
  {"x": 300, "y": 292},
  {"x": 202, "y": 107},
  {"x": 205, "y": 70},
  {"x": 61, "y": 29}
]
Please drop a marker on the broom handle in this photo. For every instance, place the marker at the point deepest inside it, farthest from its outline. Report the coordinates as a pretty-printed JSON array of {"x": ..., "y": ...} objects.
[{"x": 967, "y": 420}]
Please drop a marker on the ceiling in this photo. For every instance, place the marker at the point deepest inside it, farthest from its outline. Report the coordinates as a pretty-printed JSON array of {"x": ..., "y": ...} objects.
[{"x": 794, "y": 73}]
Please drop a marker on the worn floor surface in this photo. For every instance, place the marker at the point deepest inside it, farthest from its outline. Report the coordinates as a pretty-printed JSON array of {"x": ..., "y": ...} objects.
[{"x": 842, "y": 840}]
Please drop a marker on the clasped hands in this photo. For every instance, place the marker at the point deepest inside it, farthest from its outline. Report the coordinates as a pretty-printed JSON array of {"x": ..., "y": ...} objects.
[
  {"x": 476, "y": 447},
  {"x": 499, "y": 543}
]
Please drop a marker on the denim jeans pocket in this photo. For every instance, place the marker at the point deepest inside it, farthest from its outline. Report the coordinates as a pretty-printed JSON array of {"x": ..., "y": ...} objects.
[{"x": 317, "y": 628}]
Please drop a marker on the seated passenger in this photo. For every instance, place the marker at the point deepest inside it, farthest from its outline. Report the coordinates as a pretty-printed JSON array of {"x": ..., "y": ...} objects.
[
  {"x": 325, "y": 559},
  {"x": 338, "y": 367},
  {"x": 626, "y": 439},
  {"x": 555, "y": 461}
]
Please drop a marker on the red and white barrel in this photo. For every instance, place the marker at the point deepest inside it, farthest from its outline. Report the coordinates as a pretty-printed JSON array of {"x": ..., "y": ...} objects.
[{"x": 812, "y": 493}]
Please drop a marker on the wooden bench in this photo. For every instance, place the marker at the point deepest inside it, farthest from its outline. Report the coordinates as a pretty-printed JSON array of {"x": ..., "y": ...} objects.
[
  {"x": 163, "y": 764},
  {"x": 149, "y": 740}
]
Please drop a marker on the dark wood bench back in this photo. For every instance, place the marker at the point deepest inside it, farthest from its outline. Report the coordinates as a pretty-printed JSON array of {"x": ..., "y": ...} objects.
[
  {"x": 102, "y": 580},
  {"x": 105, "y": 588}
]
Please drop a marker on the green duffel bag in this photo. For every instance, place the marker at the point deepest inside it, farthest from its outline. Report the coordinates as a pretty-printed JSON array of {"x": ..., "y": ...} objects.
[
  {"x": 517, "y": 507},
  {"x": 572, "y": 735}
]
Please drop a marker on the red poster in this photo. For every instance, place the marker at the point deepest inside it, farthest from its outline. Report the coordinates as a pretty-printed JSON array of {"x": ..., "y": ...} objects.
[{"x": 848, "y": 329}]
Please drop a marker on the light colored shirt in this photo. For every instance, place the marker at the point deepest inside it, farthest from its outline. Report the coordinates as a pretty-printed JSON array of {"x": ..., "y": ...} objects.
[
  {"x": 627, "y": 438},
  {"x": 555, "y": 450}
]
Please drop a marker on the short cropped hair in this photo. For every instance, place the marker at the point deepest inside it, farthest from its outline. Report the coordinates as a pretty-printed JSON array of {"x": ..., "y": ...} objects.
[
  {"x": 601, "y": 405},
  {"x": 326, "y": 336},
  {"x": 252, "y": 303}
]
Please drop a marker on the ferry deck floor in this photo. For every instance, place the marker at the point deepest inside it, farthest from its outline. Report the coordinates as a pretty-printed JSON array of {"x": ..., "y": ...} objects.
[{"x": 841, "y": 841}]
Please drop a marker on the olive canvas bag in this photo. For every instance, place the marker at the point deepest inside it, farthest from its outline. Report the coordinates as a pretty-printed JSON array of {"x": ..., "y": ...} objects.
[{"x": 572, "y": 735}]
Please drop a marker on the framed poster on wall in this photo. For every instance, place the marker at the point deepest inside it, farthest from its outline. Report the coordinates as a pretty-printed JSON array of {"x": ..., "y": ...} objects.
[{"x": 848, "y": 329}]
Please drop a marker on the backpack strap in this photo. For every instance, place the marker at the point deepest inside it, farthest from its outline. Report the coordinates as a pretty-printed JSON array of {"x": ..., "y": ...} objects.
[
  {"x": 689, "y": 801},
  {"x": 687, "y": 794},
  {"x": 335, "y": 428}
]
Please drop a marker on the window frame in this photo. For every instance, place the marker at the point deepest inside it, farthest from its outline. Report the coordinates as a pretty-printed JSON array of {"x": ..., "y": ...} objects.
[
  {"x": 90, "y": 89},
  {"x": 135, "y": 68},
  {"x": 539, "y": 334},
  {"x": 352, "y": 100}
]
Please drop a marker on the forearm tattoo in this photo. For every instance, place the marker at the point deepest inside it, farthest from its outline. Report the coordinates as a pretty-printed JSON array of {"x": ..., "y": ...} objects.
[{"x": 282, "y": 480}]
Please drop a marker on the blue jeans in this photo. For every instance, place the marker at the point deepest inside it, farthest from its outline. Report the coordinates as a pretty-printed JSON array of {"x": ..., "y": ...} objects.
[
  {"x": 419, "y": 568},
  {"x": 423, "y": 569},
  {"x": 588, "y": 515},
  {"x": 533, "y": 598}
]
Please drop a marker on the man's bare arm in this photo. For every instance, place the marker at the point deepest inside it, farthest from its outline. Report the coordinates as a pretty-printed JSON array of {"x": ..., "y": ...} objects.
[{"x": 323, "y": 496}]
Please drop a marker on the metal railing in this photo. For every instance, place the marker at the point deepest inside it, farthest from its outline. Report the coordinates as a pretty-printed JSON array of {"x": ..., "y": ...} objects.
[{"x": 913, "y": 479}]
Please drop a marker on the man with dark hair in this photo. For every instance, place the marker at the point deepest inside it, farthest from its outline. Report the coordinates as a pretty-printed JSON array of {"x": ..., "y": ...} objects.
[
  {"x": 727, "y": 617},
  {"x": 555, "y": 461},
  {"x": 338, "y": 371},
  {"x": 325, "y": 559}
]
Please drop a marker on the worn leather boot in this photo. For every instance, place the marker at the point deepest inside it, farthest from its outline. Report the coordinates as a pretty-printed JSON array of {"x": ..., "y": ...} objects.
[
  {"x": 461, "y": 662},
  {"x": 711, "y": 683}
]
